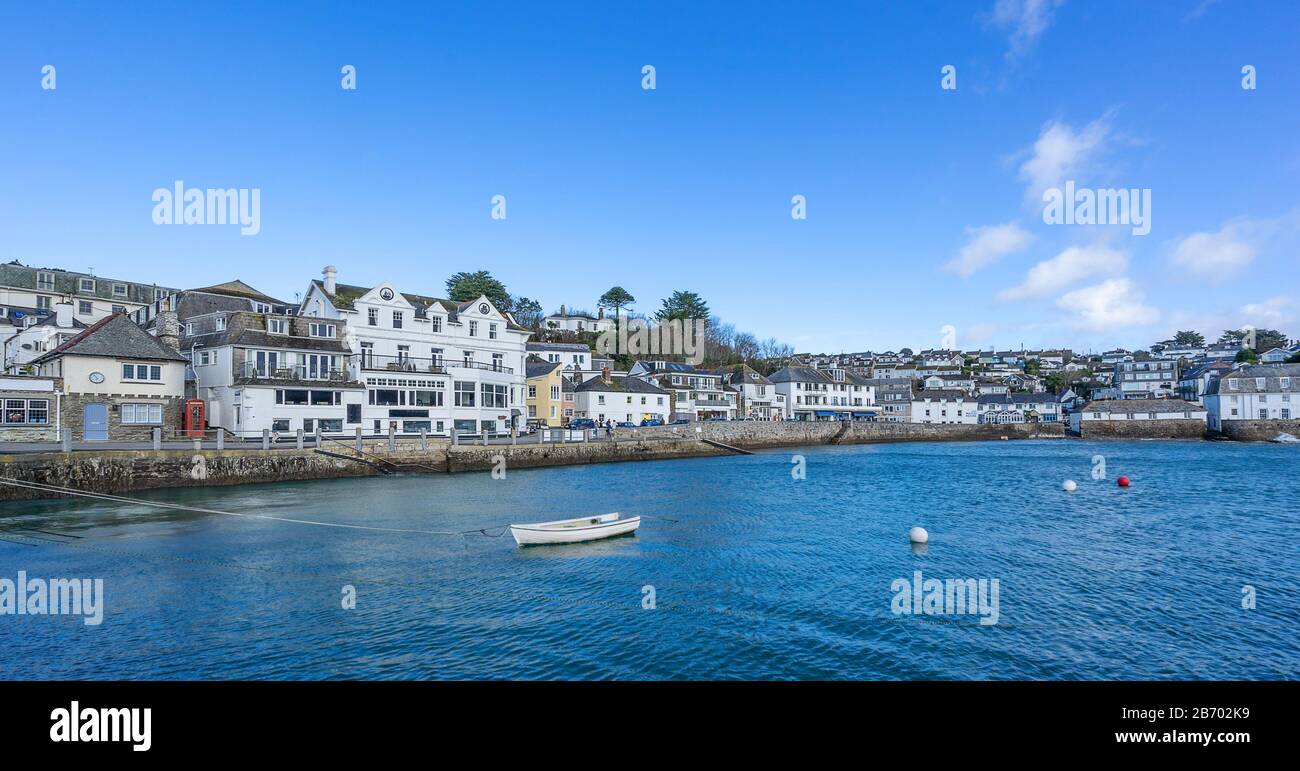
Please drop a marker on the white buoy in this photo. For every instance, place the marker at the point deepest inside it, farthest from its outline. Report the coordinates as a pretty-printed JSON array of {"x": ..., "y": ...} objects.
[
  {"x": 1069, "y": 486},
  {"x": 918, "y": 535}
]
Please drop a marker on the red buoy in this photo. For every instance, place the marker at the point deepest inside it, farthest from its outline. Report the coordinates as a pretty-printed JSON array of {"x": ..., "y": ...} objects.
[{"x": 1122, "y": 481}]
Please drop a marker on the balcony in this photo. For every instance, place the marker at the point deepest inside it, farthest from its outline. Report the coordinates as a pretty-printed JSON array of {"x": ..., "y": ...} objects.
[
  {"x": 295, "y": 374},
  {"x": 438, "y": 366}
]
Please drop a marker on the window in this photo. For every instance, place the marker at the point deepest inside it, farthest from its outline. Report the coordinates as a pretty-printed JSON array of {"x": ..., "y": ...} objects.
[
  {"x": 321, "y": 330},
  {"x": 291, "y": 396},
  {"x": 205, "y": 358},
  {"x": 397, "y": 319},
  {"x": 532, "y": 410},
  {"x": 119, "y": 290},
  {"x": 425, "y": 399},
  {"x": 142, "y": 372},
  {"x": 473, "y": 329},
  {"x": 494, "y": 395},
  {"x": 1286, "y": 414},
  {"x": 221, "y": 323},
  {"x": 261, "y": 307},
  {"x": 555, "y": 392},
  {"x": 492, "y": 331},
  {"x": 45, "y": 281},
  {"x": 436, "y": 321},
  {"x": 42, "y": 302},
  {"x": 141, "y": 414},
  {"x": 85, "y": 308},
  {"x": 374, "y": 317},
  {"x": 119, "y": 309},
  {"x": 468, "y": 358},
  {"x": 280, "y": 425},
  {"x": 26, "y": 412},
  {"x": 464, "y": 391},
  {"x": 498, "y": 360},
  {"x": 328, "y": 398},
  {"x": 277, "y": 326},
  {"x": 532, "y": 392},
  {"x": 1263, "y": 414},
  {"x": 329, "y": 425},
  {"x": 86, "y": 284}
]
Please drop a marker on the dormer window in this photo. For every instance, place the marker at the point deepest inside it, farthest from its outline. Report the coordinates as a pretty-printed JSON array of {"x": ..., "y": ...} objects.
[
  {"x": 221, "y": 323},
  {"x": 119, "y": 290},
  {"x": 86, "y": 284},
  {"x": 321, "y": 330},
  {"x": 45, "y": 281},
  {"x": 277, "y": 326},
  {"x": 436, "y": 322}
]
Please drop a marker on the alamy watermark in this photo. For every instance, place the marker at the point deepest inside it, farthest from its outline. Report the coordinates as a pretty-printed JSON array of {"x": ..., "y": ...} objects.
[
  {"x": 641, "y": 337},
  {"x": 1101, "y": 206},
  {"x": 179, "y": 205},
  {"x": 53, "y": 597},
  {"x": 951, "y": 597}
]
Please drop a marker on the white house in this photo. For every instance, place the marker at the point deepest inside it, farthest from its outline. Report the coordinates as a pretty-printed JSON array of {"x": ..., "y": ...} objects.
[
  {"x": 756, "y": 394},
  {"x": 46, "y": 334},
  {"x": 832, "y": 394},
  {"x": 566, "y": 321},
  {"x": 698, "y": 394},
  {"x": 572, "y": 356},
  {"x": 944, "y": 406},
  {"x": 1254, "y": 392},
  {"x": 119, "y": 382},
  {"x": 621, "y": 399},
  {"x": 1018, "y": 408},
  {"x": 465, "y": 360},
  {"x": 29, "y": 294}
]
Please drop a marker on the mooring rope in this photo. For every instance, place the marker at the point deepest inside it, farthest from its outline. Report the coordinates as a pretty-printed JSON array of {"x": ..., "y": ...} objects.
[{"x": 182, "y": 507}]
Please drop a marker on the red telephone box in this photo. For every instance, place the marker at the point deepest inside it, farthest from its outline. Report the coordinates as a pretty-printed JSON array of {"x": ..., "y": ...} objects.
[{"x": 194, "y": 418}]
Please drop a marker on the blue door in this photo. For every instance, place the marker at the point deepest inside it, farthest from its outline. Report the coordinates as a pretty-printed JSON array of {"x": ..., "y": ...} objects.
[{"x": 94, "y": 422}]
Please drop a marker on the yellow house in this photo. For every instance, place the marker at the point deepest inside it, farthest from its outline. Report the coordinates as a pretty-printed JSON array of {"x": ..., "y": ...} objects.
[{"x": 545, "y": 397}]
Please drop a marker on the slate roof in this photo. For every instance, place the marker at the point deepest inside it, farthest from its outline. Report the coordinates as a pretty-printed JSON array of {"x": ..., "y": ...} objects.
[
  {"x": 238, "y": 288},
  {"x": 798, "y": 375},
  {"x": 620, "y": 385},
  {"x": 741, "y": 374},
  {"x": 575, "y": 347},
  {"x": 346, "y": 295},
  {"x": 17, "y": 275},
  {"x": 115, "y": 336},
  {"x": 941, "y": 393},
  {"x": 1246, "y": 375},
  {"x": 535, "y": 367},
  {"x": 1040, "y": 398}
]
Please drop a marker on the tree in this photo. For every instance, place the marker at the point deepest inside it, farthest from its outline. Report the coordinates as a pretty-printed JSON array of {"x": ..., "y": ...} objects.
[
  {"x": 527, "y": 312},
  {"x": 616, "y": 298},
  {"x": 470, "y": 286},
  {"x": 1246, "y": 355},
  {"x": 1293, "y": 358},
  {"x": 1268, "y": 339},
  {"x": 683, "y": 305},
  {"x": 1189, "y": 338}
]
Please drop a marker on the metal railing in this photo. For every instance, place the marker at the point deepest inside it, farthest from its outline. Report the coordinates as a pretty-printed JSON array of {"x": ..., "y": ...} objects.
[
  {"x": 251, "y": 371},
  {"x": 439, "y": 365}
]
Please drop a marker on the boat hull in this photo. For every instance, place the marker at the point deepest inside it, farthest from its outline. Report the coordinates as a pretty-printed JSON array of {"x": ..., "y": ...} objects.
[{"x": 534, "y": 535}]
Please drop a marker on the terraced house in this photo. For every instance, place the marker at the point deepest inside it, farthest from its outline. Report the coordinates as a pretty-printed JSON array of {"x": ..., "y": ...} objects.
[
  {"x": 697, "y": 394},
  {"x": 621, "y": 399},
  {"x": 427, "y": 363},
  {"x": 545, "y": 399},
  {"x": 28, "y": 295},
  {"x": 831, "y": 394},
  {"x": 1254, "y": 392}
]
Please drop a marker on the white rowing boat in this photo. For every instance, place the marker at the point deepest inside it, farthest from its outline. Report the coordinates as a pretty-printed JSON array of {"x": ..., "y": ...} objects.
[{"x": 574, "y": 530}]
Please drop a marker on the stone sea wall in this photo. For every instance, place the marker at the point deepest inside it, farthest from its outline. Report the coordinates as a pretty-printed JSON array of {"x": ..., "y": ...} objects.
[
  {"x": 470, "y": 458},
  {"x": 756, "y": 434},
  {"x": 1259, "y": 430},
  {"x": 1143, "y": 429}
]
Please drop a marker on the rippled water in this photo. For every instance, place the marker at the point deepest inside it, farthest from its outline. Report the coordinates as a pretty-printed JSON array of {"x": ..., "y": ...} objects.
[{"x": 761, "y": 576}]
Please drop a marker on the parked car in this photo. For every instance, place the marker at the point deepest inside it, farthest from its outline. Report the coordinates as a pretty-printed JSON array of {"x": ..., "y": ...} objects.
[
  {"x": 626, "y": 424},
  {"x": 582, "y": 423},
  {"x": 679, "y": 422},
  {"x": 649, "y": 423}
]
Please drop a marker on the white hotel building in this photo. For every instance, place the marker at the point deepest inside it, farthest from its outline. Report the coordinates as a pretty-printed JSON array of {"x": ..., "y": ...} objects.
[{"x": 428, "y": 363}]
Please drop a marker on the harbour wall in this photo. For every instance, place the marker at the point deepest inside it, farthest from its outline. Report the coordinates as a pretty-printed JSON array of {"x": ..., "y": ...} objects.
[
  {"x": 1143, "y": 429},
  {"x": 1259, "y": 430},
  {"x": 750, "y": 435}
]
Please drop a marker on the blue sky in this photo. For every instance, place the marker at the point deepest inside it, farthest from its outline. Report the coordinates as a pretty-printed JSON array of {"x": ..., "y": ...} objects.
[{"x": 923, "y": 205}]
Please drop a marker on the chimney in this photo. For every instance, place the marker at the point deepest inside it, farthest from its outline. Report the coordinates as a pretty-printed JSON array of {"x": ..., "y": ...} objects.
[
  {"x": 604, "y": 375},
  {"x": 561, "y": 310},
  {"x": 600, "y": 312},
  {"x": 63, "y": 314},
  {"x": 169, "y": 329},
  {"x": 329, "y": 273}
]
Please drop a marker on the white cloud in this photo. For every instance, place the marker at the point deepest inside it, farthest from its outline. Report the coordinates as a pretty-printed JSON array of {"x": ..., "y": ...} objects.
[
  {"x": 1024, "y": 20},
  {"x": 1270, "y": 314},
  {"x": 1060, "y": 153},
  {"x": 1108, "y": 305},
  {"x": 1075, "y": 263},
  {"x": 1216, "y": 256},
  {"x": 988, "y": 244}
]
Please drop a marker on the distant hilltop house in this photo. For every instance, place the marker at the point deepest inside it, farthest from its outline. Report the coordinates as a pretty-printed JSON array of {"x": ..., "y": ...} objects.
[
  {"x": 1157, "y": 378},
  {"x": 566, "y": 321}
]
